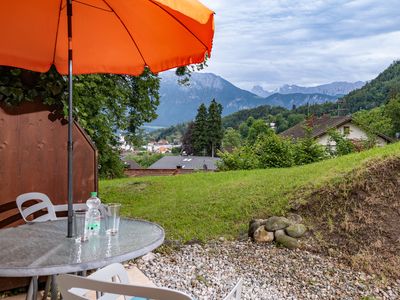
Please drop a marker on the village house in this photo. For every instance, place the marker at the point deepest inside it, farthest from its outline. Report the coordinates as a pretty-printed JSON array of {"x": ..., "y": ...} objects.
[
  {"x": 343, "y": 124},
  {"x": 162, "y": 146}
]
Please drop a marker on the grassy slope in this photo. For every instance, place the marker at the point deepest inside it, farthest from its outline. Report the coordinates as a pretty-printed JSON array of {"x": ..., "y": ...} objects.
[{"x": 209, "y": 205}]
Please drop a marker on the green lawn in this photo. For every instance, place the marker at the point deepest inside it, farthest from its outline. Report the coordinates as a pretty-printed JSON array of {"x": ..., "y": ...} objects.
[{"x": 210, "y": 205}]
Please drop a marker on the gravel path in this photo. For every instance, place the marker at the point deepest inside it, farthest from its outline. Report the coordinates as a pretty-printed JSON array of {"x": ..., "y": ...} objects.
[{"x": 210, "y": 271}]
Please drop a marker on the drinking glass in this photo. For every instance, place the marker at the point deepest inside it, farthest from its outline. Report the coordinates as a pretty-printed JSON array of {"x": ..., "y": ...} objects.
[
  {"x": 113, "y": 218},
  {"x": 81, "y": 234}
]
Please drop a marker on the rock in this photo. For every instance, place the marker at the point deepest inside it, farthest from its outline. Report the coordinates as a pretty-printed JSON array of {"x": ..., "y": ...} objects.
[
  {"x": 263, "y": 236},
  {"x": 287, "y": 241},
  {"x": 207, "y": 271},
  {"x": 276, "y": 223},
  {"x": 296, "y": 230},
  {"x": 149, "y": 256},
  {"x": 294, "y": 218},
  {"x": 253, "y": 226},
  {"x": 279, "y": 232}
]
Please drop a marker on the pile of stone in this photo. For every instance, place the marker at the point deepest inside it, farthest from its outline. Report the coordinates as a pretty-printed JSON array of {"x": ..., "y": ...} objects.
[{"x": 284, "y": 230}]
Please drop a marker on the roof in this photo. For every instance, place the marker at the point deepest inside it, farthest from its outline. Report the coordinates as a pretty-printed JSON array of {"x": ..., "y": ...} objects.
[
  {"x": 320, "y": 126},
  {"x": 186, "y": 162},
  {"x": 133, "y": 165}
]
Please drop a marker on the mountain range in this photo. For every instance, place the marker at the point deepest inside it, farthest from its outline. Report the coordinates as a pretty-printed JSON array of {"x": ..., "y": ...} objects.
[
  {"x": 337, "y": 88},
  {"x": 179, "y": 103}
]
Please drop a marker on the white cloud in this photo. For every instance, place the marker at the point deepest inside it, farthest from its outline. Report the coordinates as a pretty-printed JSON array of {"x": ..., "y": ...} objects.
[{"x": 273, "y": 42}]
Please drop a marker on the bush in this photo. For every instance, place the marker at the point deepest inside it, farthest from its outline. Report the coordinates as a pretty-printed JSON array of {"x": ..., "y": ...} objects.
[
  {"x": 145, "y": 159},
  {"x": 176, "y": 150},
  {"x": 232, "y": 140},
  {"x": 258, "y": 128},
  {"x": 109, "y": 164},
  {"x": 343, "y": 145},
  {"x": 270, "y": 151},
  {"x": 307, "y": 150},
  {"x": 274, "y": 152},
  {"x": 242, "y": 158}
]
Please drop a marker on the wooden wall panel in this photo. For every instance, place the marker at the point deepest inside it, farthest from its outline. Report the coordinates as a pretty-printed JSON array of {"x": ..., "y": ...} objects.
[{"x": 33, "y": 158}]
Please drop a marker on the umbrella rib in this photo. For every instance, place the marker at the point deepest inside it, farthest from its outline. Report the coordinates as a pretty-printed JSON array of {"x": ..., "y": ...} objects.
[
  {"x": 93, "y": 6},
  {"x": 180, "y": 23},
  {"x": 56, "y": 39},
  {"x": 126, "y": 29}
]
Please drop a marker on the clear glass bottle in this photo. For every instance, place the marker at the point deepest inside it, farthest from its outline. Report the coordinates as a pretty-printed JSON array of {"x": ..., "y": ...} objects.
[{"x": 93, "y": 215}]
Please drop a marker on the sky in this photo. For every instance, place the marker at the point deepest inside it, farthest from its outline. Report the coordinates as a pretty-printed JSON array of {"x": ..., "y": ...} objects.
[{"x": 304, "y": 42}]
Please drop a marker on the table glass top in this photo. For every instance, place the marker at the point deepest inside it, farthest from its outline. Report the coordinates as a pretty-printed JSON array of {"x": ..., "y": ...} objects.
[{"x": 43, "y": 248}]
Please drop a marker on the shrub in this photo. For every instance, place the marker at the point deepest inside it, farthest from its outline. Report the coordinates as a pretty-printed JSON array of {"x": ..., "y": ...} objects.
[
  {"x": 307, "y": 150},
  {"x": 145, "y": 159},
  {"x": 343, "y": 145},
  {"x": 274, "y": 152},
  {"x": 257, "y": 129},
  {"x": 232, "y": 140},
  {"x": 242, "y": 158}
]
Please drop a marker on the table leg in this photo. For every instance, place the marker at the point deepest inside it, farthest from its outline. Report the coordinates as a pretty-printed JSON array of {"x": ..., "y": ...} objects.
[
  {"x": 33, "y": 289},
  {"x": 47, "y": 288},
  {"x": 54, "y": 288}
]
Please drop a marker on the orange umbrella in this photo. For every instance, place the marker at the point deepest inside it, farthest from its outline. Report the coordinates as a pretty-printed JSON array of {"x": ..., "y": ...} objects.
[
  {"x": 103, "y": 36},
  {"x": 109, "y": 36}
]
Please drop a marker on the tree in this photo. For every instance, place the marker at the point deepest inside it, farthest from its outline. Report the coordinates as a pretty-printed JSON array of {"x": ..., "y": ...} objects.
[
  {"x": 281, "y": 123},
  {"x": 294, "y": 119},
  {"x": 242, "y": 158},
  {"x": 232, "y": 140},
  {"x": 200, "y": 139},
  {"x": 374, "y": 121},
  {"x": 108, "y": 105},
  {"x": 274, "y": 152},
  {"x": 307, "y": 150},
  {"x": 142, "y": 103},
  {"x": 146, "y": 159},
  {"x": 243, "y": 130},
  {"x": 105, "y": 105},
  {"x": 258, "y": 127},
  {"x": 392, "y": 110},
  {"x": 214, "y": 128},
  {"x": 343, "y": 146},
  {"x": 187, "y": 140}
]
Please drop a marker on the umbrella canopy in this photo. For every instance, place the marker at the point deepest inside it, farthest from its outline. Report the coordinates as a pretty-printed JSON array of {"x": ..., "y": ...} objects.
[
  {"x": 102, "y": 36},
  {"x": 109, "y": 36}
]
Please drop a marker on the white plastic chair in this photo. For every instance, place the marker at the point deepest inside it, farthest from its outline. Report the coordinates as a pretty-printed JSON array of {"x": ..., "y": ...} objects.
[
  {"x": 236, "y": 292},
  {"x": 106, "y": 279},
  {"x": 64, "y": 208},
  {"x": 44, "y": 203},
  {"x": 104, "y": 282},
  {"x": 50, "y": 215}
]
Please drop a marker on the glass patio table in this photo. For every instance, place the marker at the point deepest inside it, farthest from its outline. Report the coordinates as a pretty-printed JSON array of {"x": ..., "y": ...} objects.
[{"x": 42, "y": 249}]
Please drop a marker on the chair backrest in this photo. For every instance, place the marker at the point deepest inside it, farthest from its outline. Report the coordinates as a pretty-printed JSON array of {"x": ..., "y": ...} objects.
[
  {"x": 63, "y": 208},
  {"x": 112, "y": 273},
  {"x": 71, "y": 288},
  {"x": 43, "y": 203},
  {"x": 235, "y": 293}
]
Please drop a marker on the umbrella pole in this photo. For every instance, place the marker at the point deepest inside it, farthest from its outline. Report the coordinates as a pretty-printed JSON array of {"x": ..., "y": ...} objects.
[{"x": 70, "y": 119}]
